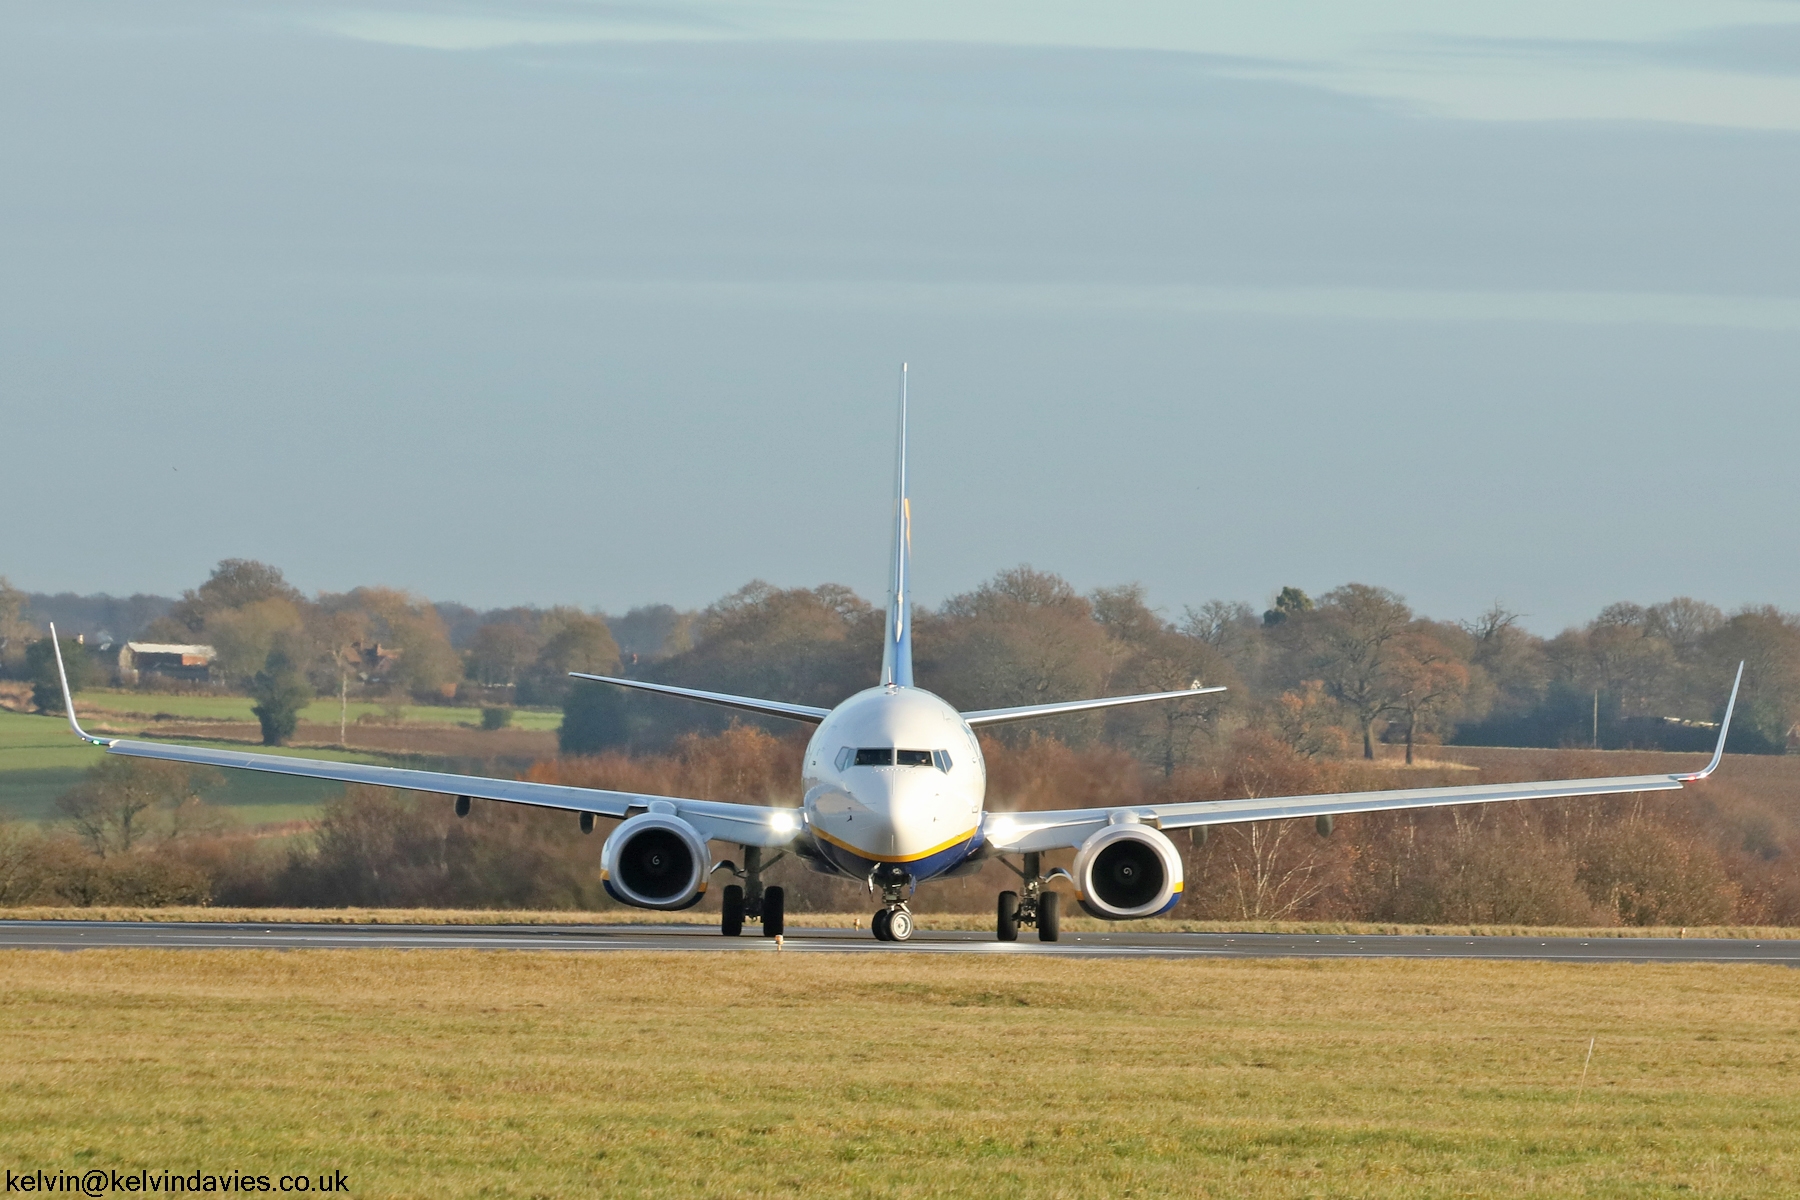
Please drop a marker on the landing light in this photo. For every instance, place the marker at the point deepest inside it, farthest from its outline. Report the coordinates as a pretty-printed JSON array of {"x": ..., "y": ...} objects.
[
  {"x": 782, "y": 822},
  {"x": 1002, "y": 830}
]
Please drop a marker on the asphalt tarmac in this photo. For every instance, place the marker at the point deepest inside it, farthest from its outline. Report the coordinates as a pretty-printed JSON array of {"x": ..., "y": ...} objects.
[{"x": 80, "y": 935}]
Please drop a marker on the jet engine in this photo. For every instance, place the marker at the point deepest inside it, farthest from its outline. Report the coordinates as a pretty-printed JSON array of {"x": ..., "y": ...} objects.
[
  {"x": 654, "y": 860},
  {"x": 1127, "y": 870}
]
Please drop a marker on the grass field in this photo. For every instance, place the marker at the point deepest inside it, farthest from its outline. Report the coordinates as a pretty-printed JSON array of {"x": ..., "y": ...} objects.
[
  {"x": 39, "y": 759},
  {"x": 323, "y": 711},
  {"x": 439, "y": 1074}
]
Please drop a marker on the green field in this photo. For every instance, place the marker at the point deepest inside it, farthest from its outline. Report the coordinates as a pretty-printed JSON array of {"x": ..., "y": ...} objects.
[
  {"x": 325, "y": 711},
  {"x": 458, "y": 1073},
  {"x": 40, "y": 759}
]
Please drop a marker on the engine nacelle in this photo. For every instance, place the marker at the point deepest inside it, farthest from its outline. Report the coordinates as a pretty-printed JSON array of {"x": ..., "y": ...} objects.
[
  {"x": 1126, "y": 871},
  {"x": 654, "y": 860}
]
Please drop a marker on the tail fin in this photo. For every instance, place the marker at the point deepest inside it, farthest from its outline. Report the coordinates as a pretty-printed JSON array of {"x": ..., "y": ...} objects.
[{"x": 896, "y": 642}]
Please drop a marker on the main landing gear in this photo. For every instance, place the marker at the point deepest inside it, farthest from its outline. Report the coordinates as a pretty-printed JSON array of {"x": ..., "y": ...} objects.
[
  {"x": 752, "y": 901},
  {"x": 894, "y": 923},
  {"x": 1037, "y": 906}
]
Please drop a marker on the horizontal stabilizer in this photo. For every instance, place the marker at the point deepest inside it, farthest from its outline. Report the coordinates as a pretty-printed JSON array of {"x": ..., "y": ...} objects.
[
  {"x": 999, "y": 716},
  {"x": 769, "y": 708}
]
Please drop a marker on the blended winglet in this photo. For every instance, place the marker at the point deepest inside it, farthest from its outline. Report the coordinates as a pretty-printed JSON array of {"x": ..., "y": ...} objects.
[
  {"x": 1724, "y": 729},
  {"x": 68, "y": 699}
]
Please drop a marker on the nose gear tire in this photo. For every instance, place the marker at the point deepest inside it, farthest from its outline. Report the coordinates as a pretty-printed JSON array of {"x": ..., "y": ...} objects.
[
  {"x": 878, "y": 925},
  {"x": 899, "y": 925}
]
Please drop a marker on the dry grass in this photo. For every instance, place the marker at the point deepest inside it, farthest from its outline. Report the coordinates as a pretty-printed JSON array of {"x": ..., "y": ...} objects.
[
  {"x": 810, "y": 920},
  {"x": 460, "y": 1074}
]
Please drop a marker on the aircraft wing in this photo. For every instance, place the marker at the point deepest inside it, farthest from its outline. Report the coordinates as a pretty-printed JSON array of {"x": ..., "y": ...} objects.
[
  {"x": 746, "y": 824},
  {"x": 1035, "y": 831}
]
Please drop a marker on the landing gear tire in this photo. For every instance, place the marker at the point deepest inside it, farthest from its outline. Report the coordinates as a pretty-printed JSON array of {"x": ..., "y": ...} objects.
[
  {"x": 1049, "y": 919},
  {"x": 731, "y": 912},
  {"x": 774, "y": 916},
  {"x": 1006, "y": 921},
  {"x": 880, "y": 927},
  {"x": 899, "y": 925}
]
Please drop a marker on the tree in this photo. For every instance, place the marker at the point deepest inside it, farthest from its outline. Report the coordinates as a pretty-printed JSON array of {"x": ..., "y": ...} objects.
[
  {"x": 1429, "y": 680},
  {"x": 427, "y": 666},
  {"x": 572, "y": 641},
  {"x": 46, "y": 683},
  {"x": 234, "y": 583},
  {"x": 501, "y": 652},
  {"x": 1152, "y": 656},
  {"x": 1023, "y": 637},
  {"x": 16, "y": 633},
  {"x": 1291, "y": 602},
  {"x": 804, "y": 645},
  {"x": 1349, "y": 643},
  {"x": 106, "y": 809},
  {"x": 281, "y": 692},
  {"x": 594, "y": 720},
  {"x": 653, "y": 631},
  {"x": 245, "y": 636}
]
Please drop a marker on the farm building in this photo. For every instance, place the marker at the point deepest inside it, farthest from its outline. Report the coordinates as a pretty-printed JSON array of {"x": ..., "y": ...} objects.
[{"x": 169, "y": 660}]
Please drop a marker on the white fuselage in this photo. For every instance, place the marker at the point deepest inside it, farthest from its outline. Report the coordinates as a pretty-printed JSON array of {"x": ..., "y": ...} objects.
[{"x": 894, "y": 775}]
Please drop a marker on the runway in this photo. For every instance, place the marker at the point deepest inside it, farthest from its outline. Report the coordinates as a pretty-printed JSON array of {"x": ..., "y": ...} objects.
[{"x": 82, "y": 935}]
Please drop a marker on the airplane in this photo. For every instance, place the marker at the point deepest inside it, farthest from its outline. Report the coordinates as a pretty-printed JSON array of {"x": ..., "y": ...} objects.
[{"x": 893, "y": 794}]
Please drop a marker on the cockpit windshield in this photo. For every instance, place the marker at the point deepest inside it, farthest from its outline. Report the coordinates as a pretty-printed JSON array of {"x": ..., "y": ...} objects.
[{"x": 883, "y": 756}]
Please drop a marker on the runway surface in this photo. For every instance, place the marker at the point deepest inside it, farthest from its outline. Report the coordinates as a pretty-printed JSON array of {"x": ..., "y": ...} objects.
[{"x": 79, "y": 935}]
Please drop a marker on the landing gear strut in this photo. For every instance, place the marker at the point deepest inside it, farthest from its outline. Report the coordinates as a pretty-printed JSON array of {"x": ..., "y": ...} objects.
[
  {"x": 1037, "y": 906},
  {"x": 894, "y": 923},
  {"x": 752, "y": 901}
]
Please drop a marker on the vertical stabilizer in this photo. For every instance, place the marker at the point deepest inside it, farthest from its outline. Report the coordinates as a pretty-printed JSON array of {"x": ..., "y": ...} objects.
[{"x": 896, "y": 642}]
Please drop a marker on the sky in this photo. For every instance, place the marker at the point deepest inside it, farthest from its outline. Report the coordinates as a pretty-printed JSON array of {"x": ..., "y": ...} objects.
[{"x": 553, "y": 301}]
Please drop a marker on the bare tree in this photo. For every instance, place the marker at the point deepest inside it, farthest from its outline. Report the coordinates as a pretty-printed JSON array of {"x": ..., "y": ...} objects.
[{"x": 1350, "y": 645}]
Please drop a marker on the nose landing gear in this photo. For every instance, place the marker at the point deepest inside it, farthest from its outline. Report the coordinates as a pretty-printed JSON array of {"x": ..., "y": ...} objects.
[
  {"x": 1037, "y": 906},
  {"x": 893, "y": 923}
]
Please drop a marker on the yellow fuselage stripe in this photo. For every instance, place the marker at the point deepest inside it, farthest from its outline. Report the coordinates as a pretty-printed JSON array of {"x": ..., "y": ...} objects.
[{"x": 893, "y": 858}]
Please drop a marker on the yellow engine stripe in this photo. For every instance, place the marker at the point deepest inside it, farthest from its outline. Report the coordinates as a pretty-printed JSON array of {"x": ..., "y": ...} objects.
[{"x": 901, "y": 858}]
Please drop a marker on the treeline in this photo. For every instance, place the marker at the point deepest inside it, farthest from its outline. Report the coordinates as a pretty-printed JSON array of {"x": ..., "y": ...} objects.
[
  {"x": 135, "y": 833},
  {"x": 1329, "y": 676}
]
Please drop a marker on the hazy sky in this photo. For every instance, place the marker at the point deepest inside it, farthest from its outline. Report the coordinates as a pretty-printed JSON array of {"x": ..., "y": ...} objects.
[{"x": 550, "y": 301}]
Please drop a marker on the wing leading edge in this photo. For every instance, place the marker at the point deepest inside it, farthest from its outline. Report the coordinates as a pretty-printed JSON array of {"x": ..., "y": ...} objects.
[
  {"x": 746, "y": 824},
  {"x": 1032, "y": 831}
]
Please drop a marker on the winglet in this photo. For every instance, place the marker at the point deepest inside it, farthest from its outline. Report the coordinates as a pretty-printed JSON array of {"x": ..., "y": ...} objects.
[
  {"x": 69, "y": 700},
  {"x": 1724, "y": 728}
]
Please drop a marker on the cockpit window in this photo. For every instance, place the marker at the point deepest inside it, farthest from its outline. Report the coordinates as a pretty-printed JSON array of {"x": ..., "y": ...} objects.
[
  {"x": 875, "y": 756},
  {"x": 844, "y": 756},
  {"x": 942, "y": 758},
  {"x": 915, "y": 758}
]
